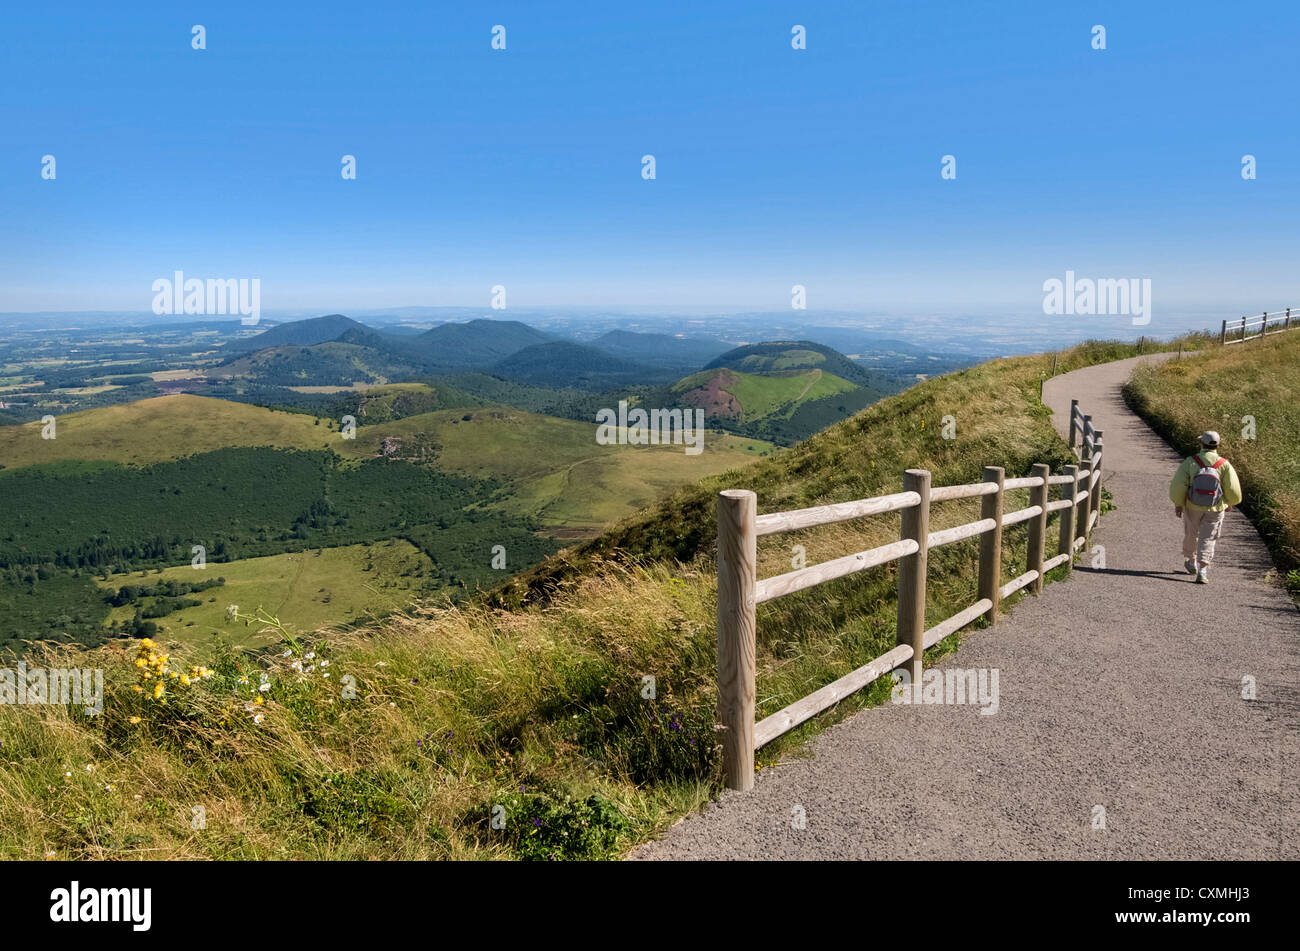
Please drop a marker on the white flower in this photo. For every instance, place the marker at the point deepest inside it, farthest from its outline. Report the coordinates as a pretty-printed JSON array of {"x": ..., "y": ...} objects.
[
  {"x": 259, "y": 717},
  {"x": 310, "y": 655},
  {"x": 324, "y": 663},
  {"x": 265, "y": 687}
]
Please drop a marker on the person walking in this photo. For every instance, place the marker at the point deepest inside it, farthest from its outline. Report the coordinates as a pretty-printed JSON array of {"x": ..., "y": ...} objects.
[{"x": 1204, "y": 487}]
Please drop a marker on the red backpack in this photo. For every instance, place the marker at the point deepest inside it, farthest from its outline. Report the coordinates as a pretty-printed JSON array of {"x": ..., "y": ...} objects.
[{"x": 1207, "y": 487}]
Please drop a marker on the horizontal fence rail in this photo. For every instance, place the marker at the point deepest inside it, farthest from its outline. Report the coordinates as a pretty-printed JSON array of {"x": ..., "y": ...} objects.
[
  {"x": 740, "y": 590},
  {"x": 1260, "y": 325}
]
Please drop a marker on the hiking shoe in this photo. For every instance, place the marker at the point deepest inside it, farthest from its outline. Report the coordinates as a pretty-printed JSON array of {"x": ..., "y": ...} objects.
[
  {"x": 1190, "y": 566},
  {"x": 1203, "y": 576}
]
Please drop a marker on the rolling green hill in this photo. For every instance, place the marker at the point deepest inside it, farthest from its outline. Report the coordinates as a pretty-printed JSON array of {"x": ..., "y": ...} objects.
[
  {"x": 298, "y": 333},
  {"x": 334, "y": 363},
  {"x": 791, "y": 356},
  {"x": 159, "y": 429},
  {"x": 552, "y": 469},
  {"x": 561, "y": 363},
  {"x": 746, "y": 397},
  {"x": 476, "y": 343},
  {"x": 782, "y": 392}
]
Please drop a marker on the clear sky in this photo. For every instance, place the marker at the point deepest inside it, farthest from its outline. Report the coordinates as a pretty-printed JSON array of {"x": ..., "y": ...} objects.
[{"x": 774, "y": 166}]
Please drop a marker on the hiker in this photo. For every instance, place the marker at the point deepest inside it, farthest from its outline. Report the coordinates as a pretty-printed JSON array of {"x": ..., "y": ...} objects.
[{"x": 1204, "y": 487}]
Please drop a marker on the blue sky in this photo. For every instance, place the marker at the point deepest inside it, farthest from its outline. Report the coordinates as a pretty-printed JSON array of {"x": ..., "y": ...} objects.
[{"x": 820, "y": 167}]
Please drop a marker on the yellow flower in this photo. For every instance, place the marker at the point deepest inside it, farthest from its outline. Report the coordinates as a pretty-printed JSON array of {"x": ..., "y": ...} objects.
[
  {"x": 135, "y": 719},
  {"x": 158, "y": 690},
  {"x": 137, "y": 688}
]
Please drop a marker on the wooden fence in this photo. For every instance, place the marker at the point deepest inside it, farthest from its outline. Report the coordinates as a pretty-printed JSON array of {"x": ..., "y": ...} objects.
[
  {"x": 740, "y": 591},
  {"x": 1261, "y": 325}
]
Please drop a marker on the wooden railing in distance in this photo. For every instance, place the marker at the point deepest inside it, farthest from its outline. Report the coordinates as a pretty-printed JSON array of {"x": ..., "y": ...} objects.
[
  {"x": 740, "y": 590},
  {"x": 1260, "y": 325}
]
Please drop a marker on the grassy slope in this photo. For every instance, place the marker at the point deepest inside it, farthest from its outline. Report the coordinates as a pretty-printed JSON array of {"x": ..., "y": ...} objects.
[
  {"x": 556, "y": 471},
  {"x": 1216, "y": 390},
  {"x": 539, "y": 708},
  {"x": 307, "y": 590},
  {"x": 158, "y": 429}
]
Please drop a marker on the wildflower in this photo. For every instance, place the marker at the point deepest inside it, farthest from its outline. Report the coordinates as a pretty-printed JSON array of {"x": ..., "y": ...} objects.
[
  {"x": 138, "y": 689},
  {"x": 259, "y": 717},
  {"x": 67, "y": 775},
  {"x": 158, "y": 690},
  {"x": 310, "y": 655},
  {"x": 110, "y": 788},
  {"x": 243, "y": 680},
  {"x": 324, "y": 663},
  {"x": 49, "y": 856},
  {"x": 135, "y": 719},
  {"x": 90, "y": 767},
  {"x": 266, "y": 685}
]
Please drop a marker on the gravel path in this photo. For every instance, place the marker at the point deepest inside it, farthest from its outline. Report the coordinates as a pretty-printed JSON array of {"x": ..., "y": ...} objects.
[{"x": 1121, "y": 688}]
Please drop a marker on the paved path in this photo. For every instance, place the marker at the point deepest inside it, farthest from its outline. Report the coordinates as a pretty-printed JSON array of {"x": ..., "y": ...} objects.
[{"x": 1120, "y": 688}]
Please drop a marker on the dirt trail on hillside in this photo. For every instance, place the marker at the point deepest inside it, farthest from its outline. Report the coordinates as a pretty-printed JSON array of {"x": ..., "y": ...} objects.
[{"x": 1119, "y": 689}]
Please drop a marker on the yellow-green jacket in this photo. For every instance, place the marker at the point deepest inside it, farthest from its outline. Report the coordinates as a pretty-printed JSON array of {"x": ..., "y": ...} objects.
[{"x": 1182, "y": 484}]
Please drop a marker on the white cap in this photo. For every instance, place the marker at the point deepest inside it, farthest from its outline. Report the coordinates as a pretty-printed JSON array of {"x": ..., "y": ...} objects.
[{"x": 1209, "y": 438}]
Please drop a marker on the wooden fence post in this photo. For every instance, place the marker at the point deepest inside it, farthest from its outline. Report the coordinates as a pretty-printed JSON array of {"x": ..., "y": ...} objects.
[
  {"x": 1081, "y": 516},
  {"x": 1243, "y": 330},
  {"x": 912, "y": 570},
  {"x": 1095, "y": 486},
  {"x": 1074, "y": 424},
  {"x": 1068, "y": 491},
  {"x": 1223, "y": 334},
  {"x": 1287, "y": 325},
  {"x": 1038, "y": 527},
  {"x": 737, "y": 581},
  {"x": 990, "y": 575}
]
